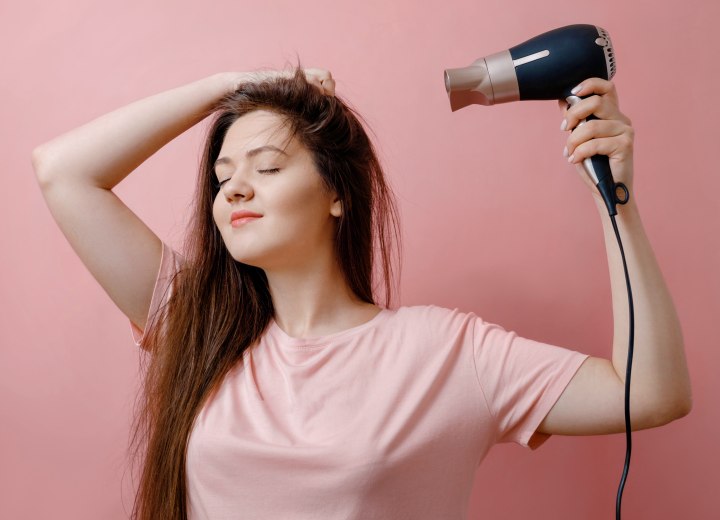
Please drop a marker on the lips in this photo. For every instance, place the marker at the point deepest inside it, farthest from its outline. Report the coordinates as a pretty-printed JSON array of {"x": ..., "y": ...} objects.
[{"x": 238, "y": 217}]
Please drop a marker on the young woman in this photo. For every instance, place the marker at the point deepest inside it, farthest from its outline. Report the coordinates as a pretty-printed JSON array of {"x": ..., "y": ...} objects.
[{"x": 278, "y": 386}]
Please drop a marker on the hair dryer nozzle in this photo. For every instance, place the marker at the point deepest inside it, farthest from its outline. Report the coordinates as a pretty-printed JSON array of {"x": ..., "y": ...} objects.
[
  {"x": 469, "y": 85},
  {"x": 472, "y": 85}
]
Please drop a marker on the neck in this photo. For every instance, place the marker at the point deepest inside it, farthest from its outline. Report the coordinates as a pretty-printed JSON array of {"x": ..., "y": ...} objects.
[{"x": 314, "y": 299}]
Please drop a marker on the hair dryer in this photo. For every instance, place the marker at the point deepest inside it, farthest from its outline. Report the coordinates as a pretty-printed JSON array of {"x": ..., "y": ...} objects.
[{"x": 547, "y": 66}]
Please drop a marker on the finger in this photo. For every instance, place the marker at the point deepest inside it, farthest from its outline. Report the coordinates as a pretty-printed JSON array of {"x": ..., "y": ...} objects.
[
  {"x": 322, "y": 79},
  {"x": 600, "y": 106},
  {"x": 329, "y": 86},
  {"x": 594, "y": 129},
  {"x": 614, "y": 147},
  {"x": 315, "y": 82},
  {"x": 326, "y": 87},
  {"x": 595, "y": 86},
  {"x": 321, "y": 74}
]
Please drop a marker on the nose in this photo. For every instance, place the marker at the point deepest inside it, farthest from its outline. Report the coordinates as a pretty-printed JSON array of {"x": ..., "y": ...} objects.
[{"x": 236, "y": 187}]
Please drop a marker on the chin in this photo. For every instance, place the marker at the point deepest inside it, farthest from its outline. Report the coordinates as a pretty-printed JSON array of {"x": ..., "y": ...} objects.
[
  {"x": 250, "y": 260},
  {"x": 277, "y": 255},
  {"x": 254, "y": 257}
]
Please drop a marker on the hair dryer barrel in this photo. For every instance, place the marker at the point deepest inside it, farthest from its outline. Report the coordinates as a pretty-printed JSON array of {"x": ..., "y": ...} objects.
[{"x": 547, "y": 66}]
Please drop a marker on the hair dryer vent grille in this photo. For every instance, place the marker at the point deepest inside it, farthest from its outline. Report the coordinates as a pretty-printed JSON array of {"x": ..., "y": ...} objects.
[{"x": 609, "y": 52}]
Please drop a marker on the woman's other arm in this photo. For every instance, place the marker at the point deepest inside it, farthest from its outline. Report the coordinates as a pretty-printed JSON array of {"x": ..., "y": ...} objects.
[
  {"x": 593, "y": 402},
  {"x": 77, "y": 171}
]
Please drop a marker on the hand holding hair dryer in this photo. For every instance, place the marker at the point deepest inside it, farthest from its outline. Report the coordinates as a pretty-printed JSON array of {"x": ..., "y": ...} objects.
[{"x": 547, "y": 66}]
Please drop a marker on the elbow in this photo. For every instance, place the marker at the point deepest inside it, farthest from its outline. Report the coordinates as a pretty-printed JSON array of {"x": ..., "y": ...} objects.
[
  {"x": 683, "y": 400},
  {"x": 671, "y": 411},
  {"x": 41, "y": 165},
  {"x": 38, "y": 164},
  {"x": 684, "y": 407},
  {"x": 680, "y": 410}
]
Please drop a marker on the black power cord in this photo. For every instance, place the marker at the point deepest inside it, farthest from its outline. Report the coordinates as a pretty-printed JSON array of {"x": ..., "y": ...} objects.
[{"x": 628, "y": 373}]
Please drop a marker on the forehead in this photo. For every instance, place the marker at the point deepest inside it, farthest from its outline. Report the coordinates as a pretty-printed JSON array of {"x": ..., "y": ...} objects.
[{"x": 256, "y": 129}]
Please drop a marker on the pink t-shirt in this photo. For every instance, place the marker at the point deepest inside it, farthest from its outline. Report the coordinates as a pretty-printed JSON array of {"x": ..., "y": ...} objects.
[{"x": 386, "y": 420}]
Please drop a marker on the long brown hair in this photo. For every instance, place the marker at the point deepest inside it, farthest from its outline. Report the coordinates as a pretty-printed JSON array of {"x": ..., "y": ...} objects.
[{"x": 220, "y": 307}]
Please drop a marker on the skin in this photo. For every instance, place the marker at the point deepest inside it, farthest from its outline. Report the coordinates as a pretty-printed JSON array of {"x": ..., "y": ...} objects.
[
  {"x": 298, "y": 212},
  {"x": 293, "y": 240}
]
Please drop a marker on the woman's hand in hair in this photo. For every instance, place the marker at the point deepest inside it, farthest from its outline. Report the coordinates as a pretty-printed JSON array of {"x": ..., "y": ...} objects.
[{"x": 320, "y": 78}]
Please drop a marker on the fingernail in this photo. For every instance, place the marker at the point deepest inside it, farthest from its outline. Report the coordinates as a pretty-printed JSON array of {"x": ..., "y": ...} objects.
[
  {"x": 571, "y": 158},
  {"x": 565, "y": 152},
  {"x": 576, "y": 89},
  {"x": 563, "y": 125}
]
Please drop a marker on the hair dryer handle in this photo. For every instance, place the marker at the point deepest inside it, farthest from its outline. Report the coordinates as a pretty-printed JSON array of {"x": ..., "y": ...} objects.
[{"x": 598, "y": 169}]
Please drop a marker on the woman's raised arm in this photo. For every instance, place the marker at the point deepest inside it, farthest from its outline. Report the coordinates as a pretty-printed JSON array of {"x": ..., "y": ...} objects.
[{"x": 77, "y": 170}]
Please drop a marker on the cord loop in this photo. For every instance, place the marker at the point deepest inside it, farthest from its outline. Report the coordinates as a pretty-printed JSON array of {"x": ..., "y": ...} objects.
[{"x": 626, "y": 193}]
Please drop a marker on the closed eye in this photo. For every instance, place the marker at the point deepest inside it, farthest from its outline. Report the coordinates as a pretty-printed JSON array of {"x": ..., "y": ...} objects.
[{"x": 265, "y": 172}]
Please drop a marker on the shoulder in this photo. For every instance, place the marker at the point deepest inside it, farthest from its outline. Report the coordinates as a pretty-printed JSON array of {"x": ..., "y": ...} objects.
[
  {"x": 434, "y": 319},
  {"x": 431, "y": 311}
]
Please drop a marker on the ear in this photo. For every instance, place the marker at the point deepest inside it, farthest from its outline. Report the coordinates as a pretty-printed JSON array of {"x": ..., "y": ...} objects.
[{"x": 336, "y": 208}]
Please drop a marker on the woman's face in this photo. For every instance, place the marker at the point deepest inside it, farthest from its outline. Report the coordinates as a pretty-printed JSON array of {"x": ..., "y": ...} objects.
[{"x": 262, "y": 173}]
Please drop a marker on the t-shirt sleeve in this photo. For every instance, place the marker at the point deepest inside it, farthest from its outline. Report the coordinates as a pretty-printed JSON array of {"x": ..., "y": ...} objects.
[
  {"x": 521, "y": 380},
  {"x": 170, "y": 262}
]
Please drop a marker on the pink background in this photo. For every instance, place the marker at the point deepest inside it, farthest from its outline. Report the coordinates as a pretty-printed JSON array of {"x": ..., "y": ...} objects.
[{"x": 495, "y": 221}]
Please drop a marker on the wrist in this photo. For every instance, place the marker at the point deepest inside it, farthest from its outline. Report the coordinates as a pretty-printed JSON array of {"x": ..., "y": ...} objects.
[{"x": 229, "y": 82}]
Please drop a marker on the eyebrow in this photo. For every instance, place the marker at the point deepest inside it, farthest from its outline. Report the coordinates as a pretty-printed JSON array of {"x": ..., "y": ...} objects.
[{"x": 251, "y": 153}]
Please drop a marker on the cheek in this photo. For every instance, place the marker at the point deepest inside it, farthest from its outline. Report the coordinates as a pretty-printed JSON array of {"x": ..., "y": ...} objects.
[
  {"x": 307, "y": 206},
  {"x": 216, "y": 211}
]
